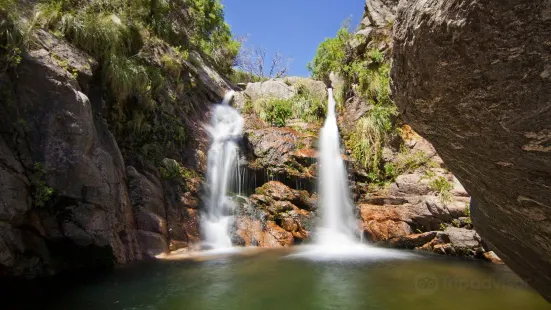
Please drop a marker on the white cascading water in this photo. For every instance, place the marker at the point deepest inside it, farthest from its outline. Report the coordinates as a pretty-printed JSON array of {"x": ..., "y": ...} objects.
[
  {"x": 335, "y": 238},
  {"x": 338, "y": 224},
  {"x": 222, "y": 168}
]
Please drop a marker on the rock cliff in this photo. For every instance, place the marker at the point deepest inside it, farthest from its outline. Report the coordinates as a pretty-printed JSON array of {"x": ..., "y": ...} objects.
[
  {"x": 473, "y": 77},
  {"x": 79, "y": 188}
]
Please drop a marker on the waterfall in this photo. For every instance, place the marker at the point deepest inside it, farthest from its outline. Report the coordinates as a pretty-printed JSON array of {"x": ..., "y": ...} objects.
[
  {"x": 338, "y": 224},
  {"x": 226, "y": 130}
]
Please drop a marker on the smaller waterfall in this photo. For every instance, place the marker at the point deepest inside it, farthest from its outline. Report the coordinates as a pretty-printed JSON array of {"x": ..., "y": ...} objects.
[
  {"x": 222, "y": 172},
  {"x": 337, "y": 210}
]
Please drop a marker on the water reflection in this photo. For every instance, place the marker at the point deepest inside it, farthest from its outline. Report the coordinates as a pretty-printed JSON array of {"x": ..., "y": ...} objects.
[{"x": 263, "y": 280}]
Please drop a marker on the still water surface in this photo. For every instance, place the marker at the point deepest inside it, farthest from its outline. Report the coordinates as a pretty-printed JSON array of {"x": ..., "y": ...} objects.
[{"x": 272, "y": 280}]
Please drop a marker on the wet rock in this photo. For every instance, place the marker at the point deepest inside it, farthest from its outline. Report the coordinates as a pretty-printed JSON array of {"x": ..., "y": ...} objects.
[
  {"x": 273, "y": 146},
  {"x": 152, "y": 244},
  {"x": 253, "y": 232},
  {"x": 16, "y": 200},
  {"x": 383, "y": 223},
  {"x": 280, "y": 192},
  {"x": 182, "y": 198},
  {"x": 493, "y": 258},
  {"x": 277, "y": 191},
  {"x": 247, "y": 231},
  {"x": 278, "y": 207},
  {"x": 462, "y": 238},
  {"x": 148, "y": 203},
  {"x": 486, "y": 112},
  {"x": 410, "y": 241},
  {"x": 305, "y": 156},
  {"x": 297, "y": 222},
  {"x": 275, "y": 236},
  {"x": 273, "y": 210}
]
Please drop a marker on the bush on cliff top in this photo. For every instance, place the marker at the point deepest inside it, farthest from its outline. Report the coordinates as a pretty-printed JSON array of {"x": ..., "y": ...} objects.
[
  {"x": 111, "y": 30},
  {"x": 331, "y": 54},
  {"x": 142, "y": 49}
]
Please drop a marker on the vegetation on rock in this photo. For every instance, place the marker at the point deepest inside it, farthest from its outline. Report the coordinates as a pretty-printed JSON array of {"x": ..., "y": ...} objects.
[
  {"x": 13, "y": 35},
  {"x": 442, "y": 186},
  {"x": 143, "y": 50},
  {"x": 331, "y": 54},
  {"x": 41, "y": 193},
  {"x": 305, "y": 105},
  {"x": 240, "y": 76},
  {"x": 366, "y": 77}
]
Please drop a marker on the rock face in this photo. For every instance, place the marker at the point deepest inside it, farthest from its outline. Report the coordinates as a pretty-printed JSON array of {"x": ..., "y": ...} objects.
[
  {"x": 64, "y": 148},
  {"x": 68, "y": 200},
  {"x": 282, "y": 88},
  {"x": 286, "y": 154},
  {"x": 276, "y": 216},
  {"x": 379, "y": 13},
  {"x": 148, "y": 206},
  {"x": 474, "y": 78}
]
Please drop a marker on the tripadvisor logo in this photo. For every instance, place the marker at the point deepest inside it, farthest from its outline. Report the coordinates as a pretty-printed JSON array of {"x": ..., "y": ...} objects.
[{"x": 428, "y": 284}]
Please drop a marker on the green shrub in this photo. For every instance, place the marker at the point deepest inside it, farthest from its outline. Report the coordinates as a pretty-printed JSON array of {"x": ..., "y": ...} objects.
[
  {"x": 307, "y": 106},
  {"x": 376, "y": 56},
  {"x": 468, "y": 210},
  {"x": 102, "y": 34},
  {"x": 240, "y": 76},
  {"x": 443, "y": 187},
  {"x": 212, "y": 34},
  {"x": 13, "y": 35},
  {"x": 304, "y": 105},
  {"x": 171, "y": 170},
  {"x": 368, "y": 139},
  {"x": 40, "y": 192},
  {"x": 126, "y": 77},
  {"x": 171, "y": 65},
  {"x": 391, "y": 172},
  {"x": 331, "y": 54},
  {"x": 373, "y": 81},
  {"x": 409, "y": 162},
  {"x": 277, "y": 112}
]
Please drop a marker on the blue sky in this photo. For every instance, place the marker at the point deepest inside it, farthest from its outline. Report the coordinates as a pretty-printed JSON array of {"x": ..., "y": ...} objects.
[{"x": 293, "y": 27}]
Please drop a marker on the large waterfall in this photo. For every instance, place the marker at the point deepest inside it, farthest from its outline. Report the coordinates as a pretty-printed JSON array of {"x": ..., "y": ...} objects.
[
  {"x": 335, "y": 238},
  {"x": 338, "y": 224},
  {"x": 222, "y": 171}
]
